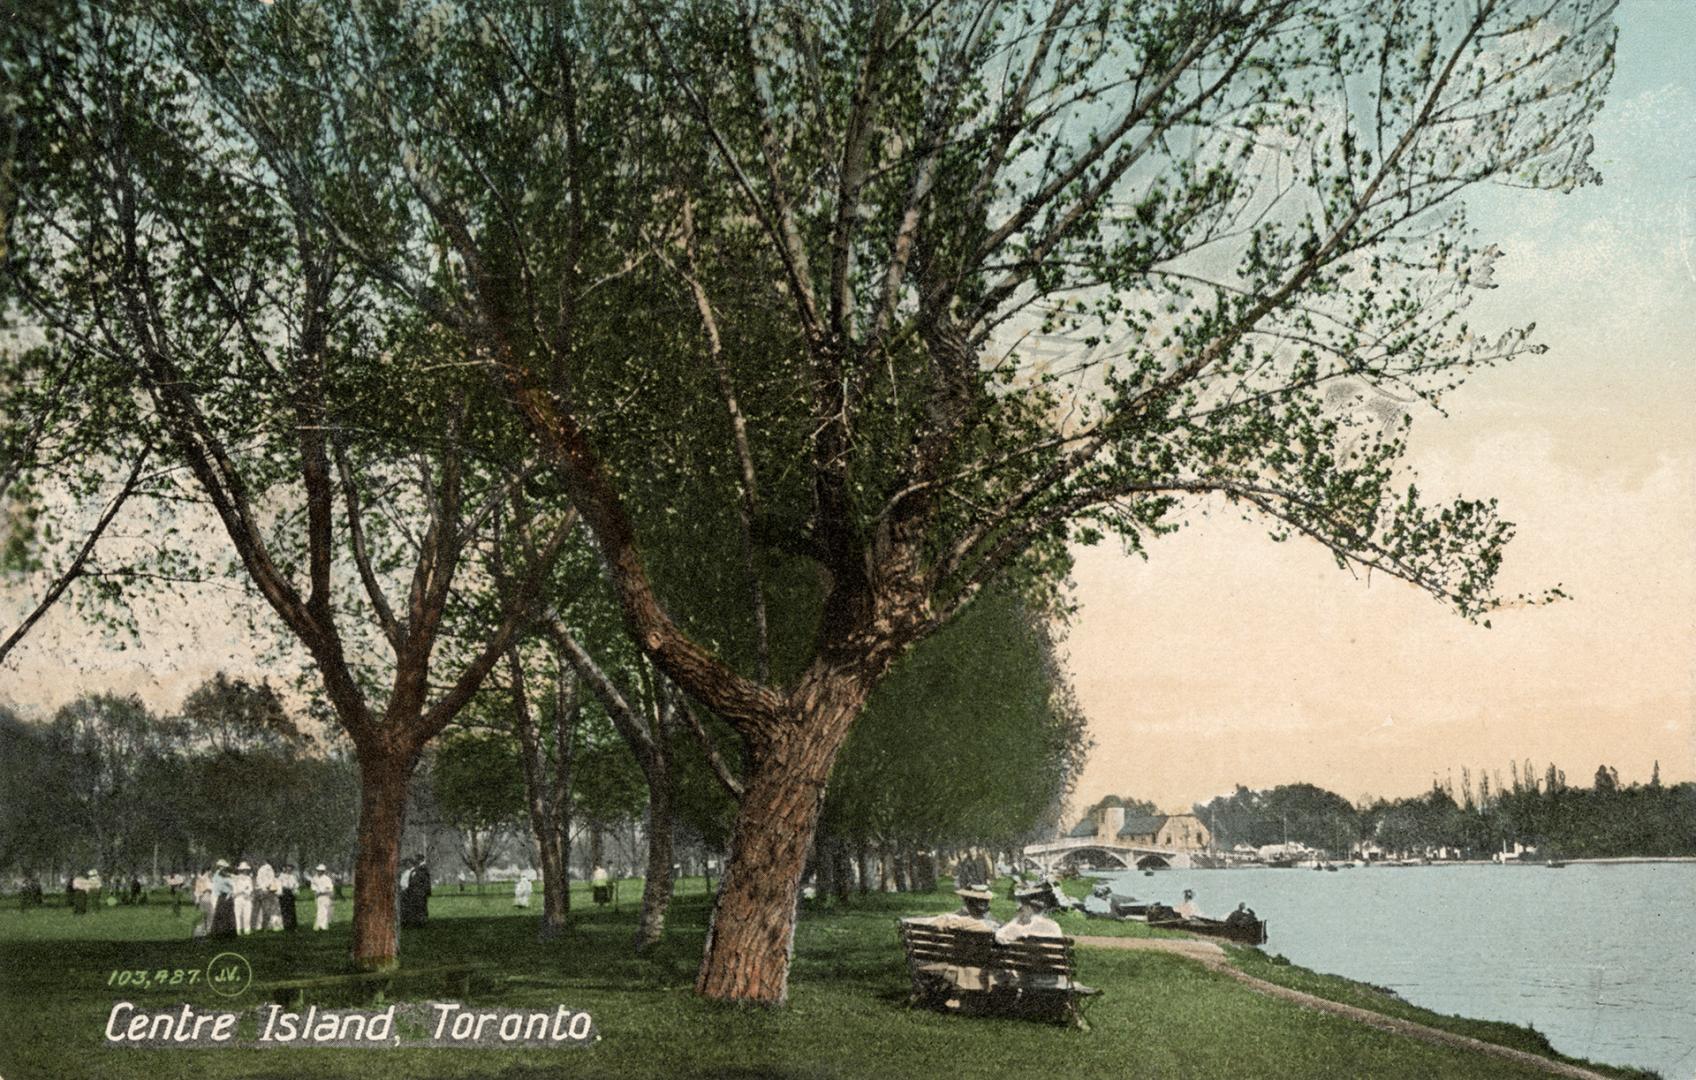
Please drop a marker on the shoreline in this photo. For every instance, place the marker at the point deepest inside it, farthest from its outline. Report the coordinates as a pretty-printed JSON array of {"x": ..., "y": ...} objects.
[{"x": 1214, "y": 957}]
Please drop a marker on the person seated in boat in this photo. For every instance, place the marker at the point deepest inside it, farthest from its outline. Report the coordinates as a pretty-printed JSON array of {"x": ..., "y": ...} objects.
[
  {"x": 1243, "y": 917},
  {"x": 1057, "y": 900},
  {"x": 1187, "y": 909}
]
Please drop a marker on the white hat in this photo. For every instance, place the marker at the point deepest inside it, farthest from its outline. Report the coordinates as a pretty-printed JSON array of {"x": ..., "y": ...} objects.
[
  {"x": 223, "y": 864},
  {"x": 974, "y": 892},
  {"x": 94, "y": 873},
  {"x": 320, "y": 866},
  {"x": 243, "y": 865}
]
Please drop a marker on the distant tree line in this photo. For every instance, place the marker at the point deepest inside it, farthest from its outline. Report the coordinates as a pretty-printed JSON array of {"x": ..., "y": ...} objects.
[
  {"x": 972, "y": 744},
  {"x": 1484, "y": 814},
  {"x": 107, "y": 784}
]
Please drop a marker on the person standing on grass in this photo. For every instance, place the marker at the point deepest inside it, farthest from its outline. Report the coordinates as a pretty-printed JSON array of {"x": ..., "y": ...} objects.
[
  {"x": 287, "y": 883},
  {"x": 204, "y": 902},
  {"x": 415, "y": 897},
  {"x": 265, "y": 899},
  {"x": 76, "y": 891},
  {"x": 323, "y": 889},
  {"x": 223, "y": 902},
  {"x": 243, "y": 890},
  {"x": 521, "y": 891}
]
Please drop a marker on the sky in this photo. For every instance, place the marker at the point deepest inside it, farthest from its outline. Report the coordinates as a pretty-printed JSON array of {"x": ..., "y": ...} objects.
[{"x": 1226, "y": 658}]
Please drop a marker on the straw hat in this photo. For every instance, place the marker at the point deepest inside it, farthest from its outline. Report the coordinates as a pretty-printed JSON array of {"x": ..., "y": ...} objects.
[
  {"x": 320, "y": 868},
  {"x": 975, "y": 892},
  {"x": 243, "y": 865}
]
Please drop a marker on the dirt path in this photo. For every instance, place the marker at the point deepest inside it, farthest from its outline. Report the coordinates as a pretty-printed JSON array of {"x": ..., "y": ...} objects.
[{"x": 1213, "y": 957}]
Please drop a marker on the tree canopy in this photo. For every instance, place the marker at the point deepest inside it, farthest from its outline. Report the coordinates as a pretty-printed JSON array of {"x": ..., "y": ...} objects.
[{"x": 898, "y": 302}]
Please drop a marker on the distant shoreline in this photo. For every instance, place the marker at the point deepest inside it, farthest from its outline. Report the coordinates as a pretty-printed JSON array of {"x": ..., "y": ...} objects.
[{"x": 1614, "y": 860}]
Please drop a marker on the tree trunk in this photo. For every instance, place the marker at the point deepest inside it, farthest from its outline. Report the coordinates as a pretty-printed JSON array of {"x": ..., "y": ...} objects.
[
  {"x": 844, "y": 870},
  {"x": 863, "y": 867},
  {"x": 383, "y": 780},
  {"x": 928, "y": 871},
  {"x": 753, "y": 917},
  {"x": 656, "y": 888},
  {"x": 546, "y": 813},
  {"x": 825, "y": 857}
]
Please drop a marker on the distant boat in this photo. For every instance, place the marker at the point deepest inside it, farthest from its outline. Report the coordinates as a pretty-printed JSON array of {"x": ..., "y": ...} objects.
[{"x": 1555, "y": 864}]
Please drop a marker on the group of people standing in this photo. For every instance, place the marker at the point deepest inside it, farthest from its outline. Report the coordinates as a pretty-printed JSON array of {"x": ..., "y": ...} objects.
[
  {"x": 244, "y": 900},
  {"x": 83, "y": 890}
]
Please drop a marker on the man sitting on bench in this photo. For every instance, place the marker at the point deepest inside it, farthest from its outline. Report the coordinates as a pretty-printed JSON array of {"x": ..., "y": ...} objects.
[{"x": 952, "y": 979}]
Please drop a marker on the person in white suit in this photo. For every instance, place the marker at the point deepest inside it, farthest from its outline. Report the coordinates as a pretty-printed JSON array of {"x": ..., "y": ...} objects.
[
  {"x": 323, "y": 892},
  {"x": 242, "y": 889},
  {"x": 521, "y": 891}
]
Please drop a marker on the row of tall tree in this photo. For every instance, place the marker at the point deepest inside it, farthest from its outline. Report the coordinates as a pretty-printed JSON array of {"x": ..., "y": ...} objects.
[{"x": 787, "y": 331}]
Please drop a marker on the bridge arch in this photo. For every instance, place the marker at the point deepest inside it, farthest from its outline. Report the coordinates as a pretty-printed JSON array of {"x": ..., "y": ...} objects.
[
  {"x": 1153, "y": 862},
  {"x": 1097, "y": 856}
]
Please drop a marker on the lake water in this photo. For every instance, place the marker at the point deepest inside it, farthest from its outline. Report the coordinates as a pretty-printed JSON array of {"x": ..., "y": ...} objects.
[{"x": 1601, "y": 958}]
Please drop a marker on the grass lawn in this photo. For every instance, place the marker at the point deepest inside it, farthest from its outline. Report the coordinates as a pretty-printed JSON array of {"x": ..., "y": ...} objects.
[{"x": 1161, "y": 1016}]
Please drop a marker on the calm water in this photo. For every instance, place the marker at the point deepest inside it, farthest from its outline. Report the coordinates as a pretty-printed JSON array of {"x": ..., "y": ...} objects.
[{"x": 1599, "y": 958}]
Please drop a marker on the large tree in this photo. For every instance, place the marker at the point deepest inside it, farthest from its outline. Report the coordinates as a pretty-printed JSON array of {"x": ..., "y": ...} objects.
[
  {"x": 353, "y": 480},
  {"x": 965, "y": 283}
]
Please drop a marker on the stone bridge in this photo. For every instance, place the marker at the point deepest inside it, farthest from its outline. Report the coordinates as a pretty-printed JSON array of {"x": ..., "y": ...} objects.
[{"x": 1099, "y": 852}]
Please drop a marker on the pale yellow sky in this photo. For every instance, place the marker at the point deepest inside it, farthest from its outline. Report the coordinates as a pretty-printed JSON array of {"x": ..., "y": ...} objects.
[{"x": 1228, "y": 659}]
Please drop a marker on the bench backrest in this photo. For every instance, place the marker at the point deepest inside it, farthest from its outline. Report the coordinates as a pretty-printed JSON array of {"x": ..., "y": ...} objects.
[{"x": 978, "y": 948}]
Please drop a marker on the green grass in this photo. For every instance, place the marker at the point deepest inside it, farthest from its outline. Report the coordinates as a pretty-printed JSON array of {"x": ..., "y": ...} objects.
[{"x": 1161, "y": 1016}]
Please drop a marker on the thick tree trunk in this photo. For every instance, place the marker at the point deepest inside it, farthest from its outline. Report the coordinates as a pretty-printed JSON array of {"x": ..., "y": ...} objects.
[
  {"x": 753, "y": 920},
  {"x": 383, "y": 780}
]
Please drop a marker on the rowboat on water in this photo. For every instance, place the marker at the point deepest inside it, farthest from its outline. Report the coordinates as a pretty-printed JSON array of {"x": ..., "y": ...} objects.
[{"x": 1249, "y": 931}]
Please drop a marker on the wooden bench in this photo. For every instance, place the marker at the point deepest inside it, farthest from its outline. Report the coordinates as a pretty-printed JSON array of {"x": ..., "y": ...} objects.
[
  {"x": 360, "y": 986},
  {"x": 1029, "y": 977}
]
